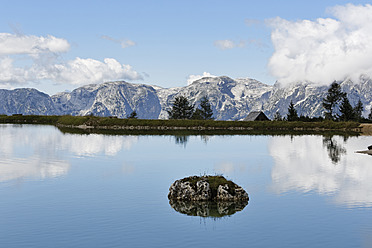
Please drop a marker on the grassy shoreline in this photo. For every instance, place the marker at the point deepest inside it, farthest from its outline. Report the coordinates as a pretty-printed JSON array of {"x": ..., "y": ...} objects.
[{"x": 132, "y": 125}]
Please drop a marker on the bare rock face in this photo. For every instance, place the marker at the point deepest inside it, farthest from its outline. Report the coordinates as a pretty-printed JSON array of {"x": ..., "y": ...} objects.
[
  {"x": 231, "y": 99},
  {"x": 185, "y": 190},
  {"x": 223, "y": 193},
  {"x": 206, "y": 188}
]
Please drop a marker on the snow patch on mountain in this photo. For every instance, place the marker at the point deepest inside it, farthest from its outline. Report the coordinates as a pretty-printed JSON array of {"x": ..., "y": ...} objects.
[{"x": 231, "y": 99}]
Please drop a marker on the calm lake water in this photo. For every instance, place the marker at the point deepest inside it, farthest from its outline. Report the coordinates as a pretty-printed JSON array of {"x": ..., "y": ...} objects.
[{"x": 70, "y": 190}]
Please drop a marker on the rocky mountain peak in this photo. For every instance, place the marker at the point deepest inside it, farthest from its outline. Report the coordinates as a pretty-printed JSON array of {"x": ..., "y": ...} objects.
[{"x": 231, "y": 99}]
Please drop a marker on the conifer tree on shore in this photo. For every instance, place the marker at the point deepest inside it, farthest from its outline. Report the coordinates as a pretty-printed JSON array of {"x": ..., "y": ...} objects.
[
  {"x": 346, "y": 110},
  {"x": 292, "y": 112},
  {"x": 332, "y": 100},
  {"x": 181, "y": 108},
  {"x": 358, "y": 111},
  {"x": 204, "y": 112}
]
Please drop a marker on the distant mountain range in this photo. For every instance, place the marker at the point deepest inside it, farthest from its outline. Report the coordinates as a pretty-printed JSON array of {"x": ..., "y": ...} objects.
[{"x": 231, "y": 99}]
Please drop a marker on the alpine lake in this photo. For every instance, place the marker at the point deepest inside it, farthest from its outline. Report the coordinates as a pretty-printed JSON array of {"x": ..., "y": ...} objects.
[{"x": 65, "y": 189}]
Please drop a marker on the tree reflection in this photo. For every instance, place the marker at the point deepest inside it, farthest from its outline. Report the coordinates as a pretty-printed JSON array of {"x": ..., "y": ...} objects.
[
  {"x": 205, "y": 138},
  {"x": 334, "y": 149},
  {"x": 181, "y": 140}
]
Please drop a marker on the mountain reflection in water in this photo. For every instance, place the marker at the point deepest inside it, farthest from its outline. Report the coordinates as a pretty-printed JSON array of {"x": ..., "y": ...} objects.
[{"x": 208, "y": 208}]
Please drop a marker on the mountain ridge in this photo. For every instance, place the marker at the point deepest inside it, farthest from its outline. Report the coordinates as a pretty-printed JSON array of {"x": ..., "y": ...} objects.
[{"x": 231, "y": 99}]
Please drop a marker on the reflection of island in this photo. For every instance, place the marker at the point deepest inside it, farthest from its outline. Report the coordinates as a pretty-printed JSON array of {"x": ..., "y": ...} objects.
[
  {"x": 208, "y": 208},
  {"x": 303, "y": 164}
]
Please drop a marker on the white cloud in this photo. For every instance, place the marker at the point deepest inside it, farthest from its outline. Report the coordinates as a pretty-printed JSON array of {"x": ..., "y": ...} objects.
[
  {"x": 123, "y": 43},
  {"x": 43, "y": 52},
  {"x": 76, "y": 72},
  {"x": 193, "y": 78},
  {"x": 84, "y": 71},
  {"x": 228, "y": 44},
  {"x": 224, "y": 44},
  {"x": 30, "y": 44},
  {"x": 9, "y": 74},
  {"x": 127, "y": 43},
  {"x": 323, "y": 50}
]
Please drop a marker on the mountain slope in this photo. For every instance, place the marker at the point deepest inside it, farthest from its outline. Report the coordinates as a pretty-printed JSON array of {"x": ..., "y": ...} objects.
[
  {"x": 110, "y": 99},
  {"x": 230, "y": 99},
  {"x": 26, "y": 101}
]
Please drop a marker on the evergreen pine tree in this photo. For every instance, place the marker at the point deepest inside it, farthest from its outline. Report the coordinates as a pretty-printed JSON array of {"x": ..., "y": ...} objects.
[
  {"x": 370, "y": 115},
  {"x": 331, "y": 101},
  {"x": 197, "y": 115},
  {"x": 181, "y": 109},
  {"x": 278, "y": 116},
  {"x": 292, "y": 112},
  {"x": 358, "y": 111},
  {"x": 346, "y": 110},
  {"x": 204, "y": 112},
  {"x": 132, "y": 115}
]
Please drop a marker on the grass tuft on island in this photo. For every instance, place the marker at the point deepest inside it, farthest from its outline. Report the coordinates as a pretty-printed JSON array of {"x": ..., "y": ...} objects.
[{"x": 113, "y": 123}]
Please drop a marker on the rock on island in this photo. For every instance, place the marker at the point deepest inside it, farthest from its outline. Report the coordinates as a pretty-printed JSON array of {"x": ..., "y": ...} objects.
[{"x": 206, "y": 188}]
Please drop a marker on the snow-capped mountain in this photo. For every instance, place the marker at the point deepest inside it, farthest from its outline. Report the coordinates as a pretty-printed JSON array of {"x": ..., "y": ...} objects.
[
  {"x": 231, "y": 99},
  {"x": 110, "y": 99},
  {"x": 26, "y": 101}
]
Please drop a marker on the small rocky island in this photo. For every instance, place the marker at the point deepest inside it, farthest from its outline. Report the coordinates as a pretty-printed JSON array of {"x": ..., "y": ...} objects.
[
  {"x": 369, "y": 151},
  {"x": 207, "y": 196},
  {"x": 206, "y": 188}
]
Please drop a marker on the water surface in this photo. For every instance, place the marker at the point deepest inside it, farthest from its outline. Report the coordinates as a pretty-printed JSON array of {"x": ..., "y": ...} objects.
[{"x": 71, "y": 190}]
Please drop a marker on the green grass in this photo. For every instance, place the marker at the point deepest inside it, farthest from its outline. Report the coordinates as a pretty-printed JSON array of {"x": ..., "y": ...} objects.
[
  {"x": 29, "y": 119},
  {"x": 191, "y": 132},
  {"x": 197, "y": 125}
]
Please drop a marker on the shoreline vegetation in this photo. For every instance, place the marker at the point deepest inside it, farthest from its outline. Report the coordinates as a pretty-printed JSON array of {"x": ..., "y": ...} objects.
[{"x": 94, "y": 124}]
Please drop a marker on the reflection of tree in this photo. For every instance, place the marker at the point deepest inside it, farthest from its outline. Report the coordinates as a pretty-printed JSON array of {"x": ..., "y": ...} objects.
[
  {"x": 181, "y": 139},
  {"x": 205, "y": 138},
  {"x": 208, "y": 208},
  {"x": 334, "y": 149}
]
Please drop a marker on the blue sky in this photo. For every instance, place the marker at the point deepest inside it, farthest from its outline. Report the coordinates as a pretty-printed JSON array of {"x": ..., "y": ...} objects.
[{"x": 152, "y": 42}]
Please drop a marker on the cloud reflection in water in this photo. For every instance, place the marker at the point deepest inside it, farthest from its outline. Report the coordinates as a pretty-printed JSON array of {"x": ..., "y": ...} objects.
[
  {"x": 32, "y": 167},
  {"x": 93, "y": 144},
  {"x": 303, "y": 163},
  {"x": 38, "y": 152}
]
